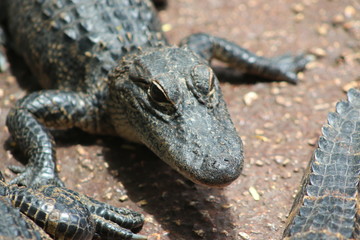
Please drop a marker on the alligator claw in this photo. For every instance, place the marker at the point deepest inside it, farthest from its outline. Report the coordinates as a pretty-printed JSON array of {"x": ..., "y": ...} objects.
[
  {"x": 290, "y": 65},
  {"x": 31, "y": 177}
]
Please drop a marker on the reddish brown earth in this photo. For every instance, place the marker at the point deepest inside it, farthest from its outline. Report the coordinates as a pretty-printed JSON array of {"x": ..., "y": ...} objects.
[{"x": 279, "y": 128}]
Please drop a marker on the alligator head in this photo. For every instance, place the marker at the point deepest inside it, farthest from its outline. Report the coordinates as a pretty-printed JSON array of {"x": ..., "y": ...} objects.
[{"x": 169, "y": 99}]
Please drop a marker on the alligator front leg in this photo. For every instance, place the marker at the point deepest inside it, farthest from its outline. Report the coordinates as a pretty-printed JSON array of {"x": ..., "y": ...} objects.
[
  {"x": 28, "y": 122},
  {"x": 283, "y": 68}
]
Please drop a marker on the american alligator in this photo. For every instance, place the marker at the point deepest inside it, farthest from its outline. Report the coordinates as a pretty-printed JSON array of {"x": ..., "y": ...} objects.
[
  {"x": 61, "y": 213},
  {"x": 326, "y": 207},
  {"x": 164, "y": 96},
  {"x": 107, "y": 68}
]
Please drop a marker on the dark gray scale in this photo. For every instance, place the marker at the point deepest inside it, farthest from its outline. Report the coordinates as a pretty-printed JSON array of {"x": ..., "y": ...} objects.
[
  {"x": 13, "y": 224},
  {"x": 69, "y": 217},
  {"x": 326, "y": 206}
]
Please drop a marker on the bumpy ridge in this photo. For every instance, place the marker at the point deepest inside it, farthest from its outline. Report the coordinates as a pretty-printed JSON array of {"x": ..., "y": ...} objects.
[{"x": 326, "y": 206}]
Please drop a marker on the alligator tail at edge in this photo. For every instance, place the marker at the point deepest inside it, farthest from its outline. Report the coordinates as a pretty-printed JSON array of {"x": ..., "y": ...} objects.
[{"x": 326, "y": 205}]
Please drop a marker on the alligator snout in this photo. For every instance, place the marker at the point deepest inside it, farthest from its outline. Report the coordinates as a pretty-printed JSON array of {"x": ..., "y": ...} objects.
[{"x": 220, "y": 171}]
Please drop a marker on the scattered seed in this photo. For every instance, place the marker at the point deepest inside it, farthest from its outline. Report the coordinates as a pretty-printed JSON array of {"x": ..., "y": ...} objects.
[
  {"x": 318, "y": 52},
  {"x": 142, "y": 202},
  {"x": 262, "y": 138},
  {"x": 166, "y": 27},
  {"x": 254, "y": 193},
  {"x": 226, "y": 206},
  {"x": 352, "y": 84},
  {"x": 322, "y": 106}
]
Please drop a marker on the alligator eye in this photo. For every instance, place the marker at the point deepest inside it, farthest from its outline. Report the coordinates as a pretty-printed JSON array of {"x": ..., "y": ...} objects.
[
  {"x": 158, "y": 94},
  {"x": 203, "y": 77}
]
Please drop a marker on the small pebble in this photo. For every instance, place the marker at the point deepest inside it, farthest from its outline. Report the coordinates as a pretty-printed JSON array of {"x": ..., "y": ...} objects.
[
  {"x": 244, "y": 236},
  {"x": 80, "y": 150},
  {"x": 298, "y": 8},
  {"x": 283, "y": 101},
  {"x": 250, "y": 97},
  {"x": 299, "y": 17},
  {"x": 279, "y": 159},
  {"x": 123, "y": 198},
  {"x": 10, "y": 80},
  {"x": 200, "y": 233},
  {"x": 275, "y": 90},
  {"x": 322, "y": 29},
  {"x": 349, "y": 11},
  {"x": 338, "y": 19}
]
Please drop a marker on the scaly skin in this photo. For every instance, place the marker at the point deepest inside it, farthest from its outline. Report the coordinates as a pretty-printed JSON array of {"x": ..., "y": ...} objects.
[
  {"x": 13, "y": 224},
  {"x": 62, "y": 214},
  {"x": 327, "y": 204},
  {"x": 165, "y": 97}
]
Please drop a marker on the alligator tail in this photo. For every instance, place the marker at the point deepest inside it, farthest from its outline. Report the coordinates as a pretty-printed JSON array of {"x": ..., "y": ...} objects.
[{"x": 326, "y": 206}]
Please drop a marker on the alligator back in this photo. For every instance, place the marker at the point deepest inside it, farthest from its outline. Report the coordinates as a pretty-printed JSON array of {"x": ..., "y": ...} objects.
[
  {"x": 72, "y": 44},
  {"x": 326, "y": 206}
]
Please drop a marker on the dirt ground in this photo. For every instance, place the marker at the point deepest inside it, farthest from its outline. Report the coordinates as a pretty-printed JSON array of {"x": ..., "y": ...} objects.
[{"x": 278, "y": 122}]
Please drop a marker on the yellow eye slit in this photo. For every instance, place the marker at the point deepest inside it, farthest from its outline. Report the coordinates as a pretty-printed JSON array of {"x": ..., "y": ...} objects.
[{"x": 158, "y": 94}]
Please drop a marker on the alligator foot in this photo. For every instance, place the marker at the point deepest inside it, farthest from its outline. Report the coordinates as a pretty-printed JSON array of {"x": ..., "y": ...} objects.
[
  {"x": 65, "y": 214},
  {"x": 290, "y": 65},
  {"x": 29, "y": 176},
  {"x": 283, "y": 68}
]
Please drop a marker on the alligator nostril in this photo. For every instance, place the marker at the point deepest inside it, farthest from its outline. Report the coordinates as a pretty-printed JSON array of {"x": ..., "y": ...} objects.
[{"x": 221, "y": 170}]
